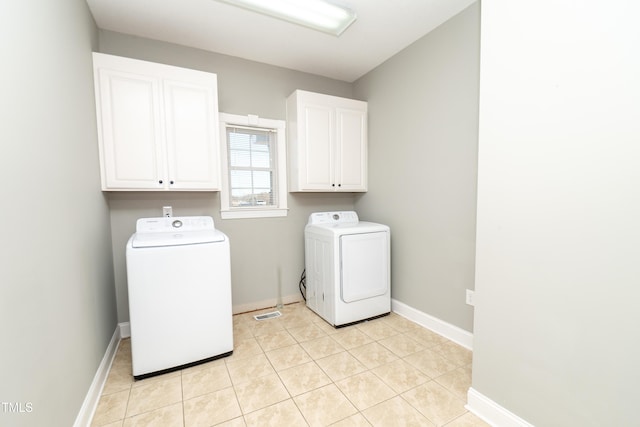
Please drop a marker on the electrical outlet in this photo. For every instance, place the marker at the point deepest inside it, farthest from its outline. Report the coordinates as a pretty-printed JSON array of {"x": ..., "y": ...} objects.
[
  {"x": 469, "y": 299},
  {"x": 167, "y": 211}
]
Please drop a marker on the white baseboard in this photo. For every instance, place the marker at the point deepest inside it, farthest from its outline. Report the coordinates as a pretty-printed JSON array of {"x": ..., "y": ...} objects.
[
  {"x": 90, "y": 403},
  {"x": 478, "y": 404},
  {"x": 440, "y": 327},
  {"x": 125, "y": 329},
  {"x": 491, "y": 412},
  {"x": 243, "y": 308}
]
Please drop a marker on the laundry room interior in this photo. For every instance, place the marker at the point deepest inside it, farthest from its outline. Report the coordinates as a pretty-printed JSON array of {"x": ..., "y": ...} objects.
[{"x": 513, "y": 226}]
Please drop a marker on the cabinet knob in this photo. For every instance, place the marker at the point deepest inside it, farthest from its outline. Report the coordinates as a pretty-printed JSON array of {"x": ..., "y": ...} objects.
[
  {"x": 333, "y": 185},
  {"x": 159, "y": 181},
  {"x": 171, "y": 182},
  {"x": 339, "y": 185}
]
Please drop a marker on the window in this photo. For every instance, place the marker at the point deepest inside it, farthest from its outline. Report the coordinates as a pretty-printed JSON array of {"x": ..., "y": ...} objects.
[{"x": 254, "y": 181}]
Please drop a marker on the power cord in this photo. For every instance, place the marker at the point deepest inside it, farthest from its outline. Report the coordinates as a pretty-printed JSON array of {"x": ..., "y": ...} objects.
[{"x": 303, "y": 284}]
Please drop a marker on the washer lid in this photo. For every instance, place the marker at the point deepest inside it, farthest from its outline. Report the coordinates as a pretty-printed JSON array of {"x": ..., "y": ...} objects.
[
  {"x": 150, "y": 240},
  {"x": 343, "y": 229}
]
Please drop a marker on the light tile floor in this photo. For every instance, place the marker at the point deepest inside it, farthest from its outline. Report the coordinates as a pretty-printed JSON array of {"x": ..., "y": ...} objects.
[{"x": 297, "y": 370}]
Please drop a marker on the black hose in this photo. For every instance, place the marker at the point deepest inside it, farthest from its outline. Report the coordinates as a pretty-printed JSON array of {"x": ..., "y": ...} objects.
[{"x": 303, "y": 284}]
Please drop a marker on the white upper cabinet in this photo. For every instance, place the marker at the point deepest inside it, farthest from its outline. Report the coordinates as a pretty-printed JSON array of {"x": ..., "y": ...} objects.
[
  {"x": 327, "y": 143},
  {"x": 157, "y": 126}
]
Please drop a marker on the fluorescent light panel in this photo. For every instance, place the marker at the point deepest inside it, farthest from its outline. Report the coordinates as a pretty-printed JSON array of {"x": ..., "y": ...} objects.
[{"x": 317, "y": 14}]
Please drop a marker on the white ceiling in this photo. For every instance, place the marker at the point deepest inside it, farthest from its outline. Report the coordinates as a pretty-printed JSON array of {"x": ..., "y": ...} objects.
[{"x": 383, "y": 28}]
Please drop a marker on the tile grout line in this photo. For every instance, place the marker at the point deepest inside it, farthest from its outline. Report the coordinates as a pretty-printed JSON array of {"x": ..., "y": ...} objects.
[
  {"x": 235, "y": 393},
  {"x": 184, "y": 414},
  {"x": 436, "y": 348}
]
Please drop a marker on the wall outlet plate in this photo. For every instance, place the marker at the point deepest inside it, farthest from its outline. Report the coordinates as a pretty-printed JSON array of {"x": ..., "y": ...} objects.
[
  {"x": 469, "y": 297},
  {"x": 167, "y": 211}
]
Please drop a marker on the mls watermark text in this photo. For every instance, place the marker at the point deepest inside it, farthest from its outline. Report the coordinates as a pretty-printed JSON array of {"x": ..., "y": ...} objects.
[{"x": 16, "y": 407}]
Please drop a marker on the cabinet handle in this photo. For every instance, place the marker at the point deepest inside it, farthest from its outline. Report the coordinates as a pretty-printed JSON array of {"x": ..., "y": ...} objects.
[{"x": 159, "y": 181}]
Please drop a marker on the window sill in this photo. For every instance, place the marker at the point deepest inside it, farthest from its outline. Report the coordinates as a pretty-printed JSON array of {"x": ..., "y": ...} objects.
[{"x": 253, "y": 213}]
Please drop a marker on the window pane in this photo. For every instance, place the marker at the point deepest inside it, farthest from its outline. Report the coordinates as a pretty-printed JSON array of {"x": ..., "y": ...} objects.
[
  {"x": 241, "y": 179},
  {"x": 260, "y": 142},
  {"x": 241, "y": 198},
  {"x": 239, "y": 141},
  {"x": 264, "y": 197},
  {"x": 262, "y": 179},
  {"x": 246, "y": 198},
  {"x": 239, "y": 158},
  {"x": 251, "y": 171},
  {"x": 260, "y": 159}
]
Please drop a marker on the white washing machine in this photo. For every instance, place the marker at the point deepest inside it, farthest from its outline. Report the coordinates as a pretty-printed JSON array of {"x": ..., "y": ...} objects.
[
  {"x": 179, "y": 280},
  {"x": 348, "y": 271}
]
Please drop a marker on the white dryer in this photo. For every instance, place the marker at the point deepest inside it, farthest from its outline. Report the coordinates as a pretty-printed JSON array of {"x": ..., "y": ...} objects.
[
  {"x": 179, "y": 280},
  {"x": 348, "y": 271}
]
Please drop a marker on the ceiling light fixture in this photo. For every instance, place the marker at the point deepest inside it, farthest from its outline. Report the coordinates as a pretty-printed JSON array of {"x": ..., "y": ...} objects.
[{"x": 317, "y": 14}]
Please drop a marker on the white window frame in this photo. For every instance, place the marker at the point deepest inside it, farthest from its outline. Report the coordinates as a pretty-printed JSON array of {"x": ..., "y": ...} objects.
[{"x": 226, "y": 210}]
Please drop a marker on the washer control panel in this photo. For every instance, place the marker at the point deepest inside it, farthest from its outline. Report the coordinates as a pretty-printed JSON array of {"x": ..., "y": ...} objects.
[
  {"x": 173, "y": 224},
  {"x": 328, "y": 218}
]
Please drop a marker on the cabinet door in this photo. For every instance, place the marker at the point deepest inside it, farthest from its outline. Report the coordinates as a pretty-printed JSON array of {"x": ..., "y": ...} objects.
[
  {"x": 192, "y": 134},
  {"x": 316, "y": 147},
  {"x": 351, "y": 147},
  {"x": 327, "y": 142},
  {"x": 130, "y": 130}
]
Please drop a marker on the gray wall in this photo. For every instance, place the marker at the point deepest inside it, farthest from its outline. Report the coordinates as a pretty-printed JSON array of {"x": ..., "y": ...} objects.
[
  {"x": 258, "y": 246},
  {"x": 57, "y": 302},
  {"x": 558, "y": 258},
  {"x": 423, "y": 115}
]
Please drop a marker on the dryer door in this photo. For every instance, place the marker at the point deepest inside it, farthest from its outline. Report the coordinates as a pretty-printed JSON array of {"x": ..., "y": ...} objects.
[{"x": 364, "y": 269}]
